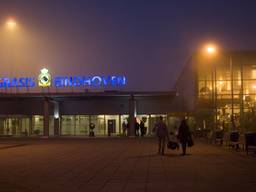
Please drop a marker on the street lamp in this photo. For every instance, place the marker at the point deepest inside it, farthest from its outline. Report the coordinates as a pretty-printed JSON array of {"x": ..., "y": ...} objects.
[
  {"x": 210, "y": 50},
  {"x": 11, "y": 36},
  {"x": 11, "y": 24}
]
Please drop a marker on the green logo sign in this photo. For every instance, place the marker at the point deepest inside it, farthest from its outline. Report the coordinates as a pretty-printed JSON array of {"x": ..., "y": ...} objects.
[{"x": 44, "y": 79}]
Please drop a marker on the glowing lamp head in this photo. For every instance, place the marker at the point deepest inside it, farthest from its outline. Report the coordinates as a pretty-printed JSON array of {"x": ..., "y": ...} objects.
[
  {"x": 11, "y": 24},
  {"x": 210, "y": 49}
]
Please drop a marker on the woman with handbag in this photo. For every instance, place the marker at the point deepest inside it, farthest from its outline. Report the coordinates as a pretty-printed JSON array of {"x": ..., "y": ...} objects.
[{"x": 184, "y": 136}]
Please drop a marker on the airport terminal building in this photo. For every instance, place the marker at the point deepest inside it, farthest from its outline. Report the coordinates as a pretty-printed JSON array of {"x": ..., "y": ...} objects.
[
  {"x": 49, "y": 105},
  {"x": 215, "y": 93},
  {"x": 71, "y": 114}
]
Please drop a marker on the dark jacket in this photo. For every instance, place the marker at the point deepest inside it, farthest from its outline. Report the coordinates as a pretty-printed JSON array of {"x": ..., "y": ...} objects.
[
  {"x": 184, "y": 133},
  {"x": 161, "y": 129}
]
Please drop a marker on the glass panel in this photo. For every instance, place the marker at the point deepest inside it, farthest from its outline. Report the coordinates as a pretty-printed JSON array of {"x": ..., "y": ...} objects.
[
  {"x": 25, "y": 126},
  {"x": 224, "y": 120},
  {"x": 249, "y": 87},
  {"x": 205, "y": 89},
  {"x": 236, "y": 73},
  {"x": 143, "y": 119},
  {"x": 223, "y": 87},
  {"x": 10, "y": 127},
  {"x": 14, "y": 126},
  {"x": 237, "y": 87},
  {"x": 82, "y": 123},
  {"x": 2, "y": 126},
  {"x": 51, "y": 125},
  {"x": 98, "y": 122},
  {"x": 204, "y": 73},
  {"x": 38, "y": 122},
  {"x": 223, "y": 72},
  {"x": 125, "y": 124},
  {"x": 224, "y": 96},
  {"x": 112, "y": 125},
  {"x": 249, "y": 72},
  {"x": 68, "y": 125},
  {"x": 249, "y": 116}
]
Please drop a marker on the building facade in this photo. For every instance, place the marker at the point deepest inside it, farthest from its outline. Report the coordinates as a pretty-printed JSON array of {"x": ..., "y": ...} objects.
[
  {"x": 74, "y": 114},
  {"x": 221, "y": 90}
]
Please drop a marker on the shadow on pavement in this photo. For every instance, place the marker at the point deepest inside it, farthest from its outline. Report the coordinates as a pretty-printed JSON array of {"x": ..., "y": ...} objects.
[{"x": 12, "y": 146}]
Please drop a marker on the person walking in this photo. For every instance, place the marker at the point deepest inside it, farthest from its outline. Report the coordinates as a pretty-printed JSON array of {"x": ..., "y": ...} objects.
[
  {"x": 184, "y": 135},
  {"x": 136, "y": 126},
  {"x": 162, "y": 133},
  {"x": 124, "y": 127},
  {"x": 142, "y": 128}
]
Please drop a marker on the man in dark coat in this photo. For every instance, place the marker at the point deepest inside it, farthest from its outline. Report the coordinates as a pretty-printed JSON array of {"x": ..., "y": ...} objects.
[
  {"x": 142, "y": 128},
  {"x": 183, "y": 135}
]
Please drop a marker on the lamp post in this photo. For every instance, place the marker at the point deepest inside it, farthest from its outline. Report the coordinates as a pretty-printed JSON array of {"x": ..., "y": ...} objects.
[
  {"x": 232, "y": 90},
  {"x": 211, "y": 51},
  {"x": 11, "y": 26}
]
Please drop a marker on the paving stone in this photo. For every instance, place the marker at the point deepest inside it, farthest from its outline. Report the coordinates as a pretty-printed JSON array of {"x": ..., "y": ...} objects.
[{"x": 111, "y": 164}]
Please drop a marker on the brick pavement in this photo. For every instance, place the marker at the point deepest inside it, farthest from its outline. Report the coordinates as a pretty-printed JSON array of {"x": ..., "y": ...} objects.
[{"x": 69, "y": 165}]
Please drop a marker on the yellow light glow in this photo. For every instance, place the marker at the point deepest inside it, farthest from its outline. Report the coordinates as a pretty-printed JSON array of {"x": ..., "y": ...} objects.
[
  {"x": 11, "y": 24},
  {"x": 229, "y": 86},
  {"x": 253, "y": 74},
  {"x": 254, "y": 86},
  {"x": 210, "y": 49}
]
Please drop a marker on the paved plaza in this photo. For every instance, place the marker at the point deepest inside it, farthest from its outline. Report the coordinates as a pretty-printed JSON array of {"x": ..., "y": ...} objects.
[{"x": 117, "y": 164}]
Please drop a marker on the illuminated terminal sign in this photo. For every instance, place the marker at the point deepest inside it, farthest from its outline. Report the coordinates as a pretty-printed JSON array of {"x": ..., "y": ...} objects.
[{"x": 46, "y": 80}]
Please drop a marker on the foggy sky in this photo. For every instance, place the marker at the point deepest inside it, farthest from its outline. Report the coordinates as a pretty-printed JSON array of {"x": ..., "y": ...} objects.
[{"x": 147, "y": 41}]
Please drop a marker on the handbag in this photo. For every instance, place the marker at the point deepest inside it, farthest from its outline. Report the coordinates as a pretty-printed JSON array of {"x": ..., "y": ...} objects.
[
  {"x": 172, "y": 145},
  {"x": 190, "y": 142}
]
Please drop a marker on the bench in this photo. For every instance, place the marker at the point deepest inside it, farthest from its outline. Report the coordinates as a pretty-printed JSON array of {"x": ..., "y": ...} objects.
[
  {"x": 219, "y": 137},
  {"x": 235, "y": 140},
  {"x": 250, "y": 142}
]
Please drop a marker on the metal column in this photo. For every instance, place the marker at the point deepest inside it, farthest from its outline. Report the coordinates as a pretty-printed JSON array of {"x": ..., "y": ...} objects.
[{"x": 131, "y": 130}]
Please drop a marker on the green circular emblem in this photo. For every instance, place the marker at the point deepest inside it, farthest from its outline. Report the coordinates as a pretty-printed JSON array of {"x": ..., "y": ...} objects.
[{"x": 44, "y": 78}]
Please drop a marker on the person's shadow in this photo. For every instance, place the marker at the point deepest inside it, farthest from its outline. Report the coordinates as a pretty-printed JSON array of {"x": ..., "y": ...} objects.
[
  {"x": 172, "y": 155},
  {"x": 158, "y": 155}
]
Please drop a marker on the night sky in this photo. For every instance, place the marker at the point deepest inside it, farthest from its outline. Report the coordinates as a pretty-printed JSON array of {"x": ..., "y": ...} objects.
[{"x": 147, "y": 41}]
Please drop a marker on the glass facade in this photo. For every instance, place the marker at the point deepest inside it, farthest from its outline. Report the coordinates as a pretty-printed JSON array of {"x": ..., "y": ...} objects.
[
  {"x": 77, "y": 125},
  {"x": 226, "y": 93},
  {"x": 23, "y": 125}
]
